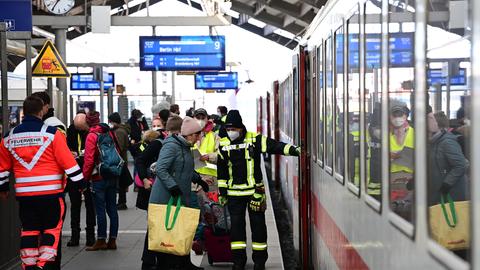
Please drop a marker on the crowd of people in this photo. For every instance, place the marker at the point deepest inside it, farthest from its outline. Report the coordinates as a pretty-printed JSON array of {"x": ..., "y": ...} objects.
[{"x": 89, "y": 162}]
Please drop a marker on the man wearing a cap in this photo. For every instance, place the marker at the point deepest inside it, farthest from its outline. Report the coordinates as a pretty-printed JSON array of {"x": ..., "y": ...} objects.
[
  {"x": 401, "y": 139},
  {"x": 138, "y": 125},
  {"x": 241, "y": 186}
]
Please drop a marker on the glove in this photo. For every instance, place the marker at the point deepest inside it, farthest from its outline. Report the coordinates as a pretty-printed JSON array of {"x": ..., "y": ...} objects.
[
  {"x": 197, "y": 179},
  {"x": 222, "y": 200},
  {"x": 445, "y": 188},
  {"x": 258, "y": 203},
  {"x": 175, "y": 191}
]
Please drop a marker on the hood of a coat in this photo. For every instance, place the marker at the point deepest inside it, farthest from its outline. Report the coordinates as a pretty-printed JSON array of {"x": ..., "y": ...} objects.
[
  {"x": 445, "y": 135},
  {"x": 99, "y": 128}
]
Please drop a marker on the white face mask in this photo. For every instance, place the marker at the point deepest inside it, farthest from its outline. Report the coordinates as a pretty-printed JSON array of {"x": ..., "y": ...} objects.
[
  {"x": 156, "y": 128},
  {"x": 233, "y": 135},
  {"x": 398, "y": 121},
  {"x": 111, "y": 125},
  {"x": 202, "y": 123},
  {"x": 377, "y": 133},
  {"x": 140, "y": 119}
]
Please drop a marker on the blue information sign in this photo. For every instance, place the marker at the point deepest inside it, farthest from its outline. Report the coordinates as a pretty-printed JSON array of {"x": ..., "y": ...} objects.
[
  {"x": 85, "y": 81},
  {"x": 17, "y": 14},
  {"x": 182, "y": 53},
  {"x": 435, "y": 76},
  {"x": 216, "y": 80},
  {"x": 401, "y": 50}
]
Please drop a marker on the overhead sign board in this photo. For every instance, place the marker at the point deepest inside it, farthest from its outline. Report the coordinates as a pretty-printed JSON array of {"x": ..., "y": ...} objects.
[
  {"x": 435, "y": 76},
  {"x": 85, "y": 81},
  {"x": 216, "y": 80},
  {"x": 17, "y": 14},
  {"x": 49, "y": 63},
  {"x": 401, "y": 50},
  {"x": 182, "y": 53}
]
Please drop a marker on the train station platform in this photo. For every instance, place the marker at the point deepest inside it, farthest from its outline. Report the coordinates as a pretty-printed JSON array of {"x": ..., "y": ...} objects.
[{"x": 133, "y": 223}]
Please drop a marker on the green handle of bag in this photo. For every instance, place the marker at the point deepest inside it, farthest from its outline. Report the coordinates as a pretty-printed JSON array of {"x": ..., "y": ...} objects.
[
  {"x": 452, "y": 209},
  {"x": 175, "y": 215}
]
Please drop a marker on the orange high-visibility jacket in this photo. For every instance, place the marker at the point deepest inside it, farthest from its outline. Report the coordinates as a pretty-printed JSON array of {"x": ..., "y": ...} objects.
[{"x": 39, "y": 158}]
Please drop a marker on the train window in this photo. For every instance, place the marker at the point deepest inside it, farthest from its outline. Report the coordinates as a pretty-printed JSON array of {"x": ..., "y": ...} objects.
[
  {"x": 329, "y": 104},
  {"x": 401, "y": 135},
  {"x": 448, "y": 128},
  {"x": 373, "y": 100},
  {"x": 312, "y": 116},
  {"x": 320, "y": 98},
  {"x": 353, "y": 69},
  {"x": 339, "y": 103}
]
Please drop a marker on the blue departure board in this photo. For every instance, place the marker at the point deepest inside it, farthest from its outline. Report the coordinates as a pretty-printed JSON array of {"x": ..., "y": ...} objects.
[
  {"x": 182, "y": 53},
  {"x": 85, "y": 81},
  {"x": 401, "y": 50},
  {"x": 435, "y": 76},
  {"x": 216, "y": 80}
]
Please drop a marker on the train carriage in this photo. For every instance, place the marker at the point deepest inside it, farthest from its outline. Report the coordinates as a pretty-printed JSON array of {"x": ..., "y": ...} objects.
[{"x": 354, "y": 204}]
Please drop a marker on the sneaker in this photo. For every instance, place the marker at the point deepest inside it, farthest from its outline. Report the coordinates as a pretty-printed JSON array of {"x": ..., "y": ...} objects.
[{"x": 122, "y": 206}]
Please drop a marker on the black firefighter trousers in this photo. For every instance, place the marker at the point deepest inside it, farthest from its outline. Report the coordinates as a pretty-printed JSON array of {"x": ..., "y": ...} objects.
[
  {"x": 237, "y": 206},
  {"x": 42, "y": 221}
]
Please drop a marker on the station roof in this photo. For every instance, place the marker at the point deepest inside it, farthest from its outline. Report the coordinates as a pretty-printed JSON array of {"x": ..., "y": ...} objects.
[{"x": 281, "y": 21}]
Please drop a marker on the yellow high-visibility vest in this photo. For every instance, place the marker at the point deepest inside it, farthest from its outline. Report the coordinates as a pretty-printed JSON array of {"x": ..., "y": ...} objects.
[
  {"x": 207, "y": 146},
  {"x": 394, "y": 147}
]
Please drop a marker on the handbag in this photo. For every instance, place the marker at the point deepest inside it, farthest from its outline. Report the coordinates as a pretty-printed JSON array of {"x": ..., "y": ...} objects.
[
  {"x": 451, "y": 230},
  {"x": 170, "y": 231}
]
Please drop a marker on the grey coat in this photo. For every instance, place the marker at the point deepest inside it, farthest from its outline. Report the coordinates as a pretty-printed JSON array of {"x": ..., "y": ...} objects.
[
  {"x": 174, "y": 167},
  {"x": 449, "y": 165}
]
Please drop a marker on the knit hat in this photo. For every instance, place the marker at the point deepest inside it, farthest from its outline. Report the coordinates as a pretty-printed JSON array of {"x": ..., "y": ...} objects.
[
  {"x": 398, "y": 106},
  {"x": 115, "y": 118},
  {"x": 93, "y": 118},
  {"x": 200, "y": 111},
  {"x": 190, "y": 126},
  {"x": 234, "y": 119},
  {"x": 174, "y": 123}
]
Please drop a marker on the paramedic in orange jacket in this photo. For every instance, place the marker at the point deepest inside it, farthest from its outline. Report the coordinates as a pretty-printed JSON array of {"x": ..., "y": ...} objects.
[{"x": 39, "y": 158}]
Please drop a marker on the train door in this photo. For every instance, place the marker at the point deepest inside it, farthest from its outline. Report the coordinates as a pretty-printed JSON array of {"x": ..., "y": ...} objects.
[
  {"x": 276, "y": 133},
  {"x": 301, "y": 88}
]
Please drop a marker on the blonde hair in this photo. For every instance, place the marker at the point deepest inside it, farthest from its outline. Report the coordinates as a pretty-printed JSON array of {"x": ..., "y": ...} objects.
[{"x": 150, "y": 135}]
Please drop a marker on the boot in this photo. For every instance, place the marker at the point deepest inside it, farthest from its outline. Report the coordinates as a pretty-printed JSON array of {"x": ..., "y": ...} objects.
[
  {"x": 75, "y": 239},
  {"x": 100, "y": 244},
  {"x": 259, "y": 267},
  {"x": 90, "y": 237},
  {"x": 112, "y": 243}
]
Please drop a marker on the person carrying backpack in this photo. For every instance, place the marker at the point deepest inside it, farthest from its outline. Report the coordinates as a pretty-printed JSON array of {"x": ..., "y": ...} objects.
[{"x": 102, "y": 166}]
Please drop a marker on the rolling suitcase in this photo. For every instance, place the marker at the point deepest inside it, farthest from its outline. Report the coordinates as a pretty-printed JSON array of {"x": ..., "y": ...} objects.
[{"x": 217, "y": 237}]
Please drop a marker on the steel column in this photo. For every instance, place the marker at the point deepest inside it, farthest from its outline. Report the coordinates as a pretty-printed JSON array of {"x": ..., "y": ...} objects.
[
  {"x": 61, "y": 45},
  {"x": 4, "y": 70}
]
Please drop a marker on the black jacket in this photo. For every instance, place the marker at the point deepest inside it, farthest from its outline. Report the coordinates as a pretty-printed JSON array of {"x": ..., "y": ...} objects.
[
  {"x": 136, "y": 128},
  {"x": 238, "y": 160}
]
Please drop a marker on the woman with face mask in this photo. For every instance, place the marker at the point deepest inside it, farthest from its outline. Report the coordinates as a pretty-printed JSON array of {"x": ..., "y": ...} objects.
[
  {"x": 401, "y": 138},
  {"x": 174, "y": 175}
]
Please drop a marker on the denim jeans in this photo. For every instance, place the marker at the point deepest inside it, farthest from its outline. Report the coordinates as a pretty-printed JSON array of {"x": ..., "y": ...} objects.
[{"x": 105, "y": 197}]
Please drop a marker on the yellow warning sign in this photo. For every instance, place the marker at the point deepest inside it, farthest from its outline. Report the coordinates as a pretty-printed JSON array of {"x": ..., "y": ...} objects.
[{"x": 49, "y": 63}]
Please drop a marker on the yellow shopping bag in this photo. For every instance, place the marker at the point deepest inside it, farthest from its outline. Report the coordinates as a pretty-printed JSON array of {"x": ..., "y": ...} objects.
[
  {"x": 451, "y": 230},
  {"x": 171, "y": 231}
]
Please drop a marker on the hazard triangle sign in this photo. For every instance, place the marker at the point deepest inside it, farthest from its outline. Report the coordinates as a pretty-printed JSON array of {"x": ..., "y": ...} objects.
[{"x": 49, "y": 63}]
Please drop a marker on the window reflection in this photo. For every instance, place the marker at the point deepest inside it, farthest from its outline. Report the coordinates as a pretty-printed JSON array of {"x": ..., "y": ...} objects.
[
  {"x": 339, "y": 99},
  {"x": 320, "y": 93},
  {"x": 373, "y": 100},
  {"x": 353, "y": 68},
  {"x": 329, "y": 103},
  {"x": 448, "y": 129},
  {"x": 401, "y": 134}
]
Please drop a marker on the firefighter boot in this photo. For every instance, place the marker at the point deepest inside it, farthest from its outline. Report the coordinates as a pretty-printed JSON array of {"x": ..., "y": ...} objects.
[
  {"x": 90, "y": 236},
  {"x": 75, "y": 239}
]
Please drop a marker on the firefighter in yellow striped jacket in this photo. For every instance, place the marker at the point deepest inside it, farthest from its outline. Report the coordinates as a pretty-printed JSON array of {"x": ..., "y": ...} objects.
[{"x": 241, "y": 186}]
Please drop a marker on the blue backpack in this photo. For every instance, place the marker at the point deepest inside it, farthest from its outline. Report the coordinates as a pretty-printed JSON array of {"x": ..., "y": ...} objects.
[{"x": 111, "y": 163}]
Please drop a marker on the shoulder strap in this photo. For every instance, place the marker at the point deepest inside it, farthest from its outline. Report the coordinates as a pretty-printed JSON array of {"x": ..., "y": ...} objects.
[{"x": 114, "y": 138}]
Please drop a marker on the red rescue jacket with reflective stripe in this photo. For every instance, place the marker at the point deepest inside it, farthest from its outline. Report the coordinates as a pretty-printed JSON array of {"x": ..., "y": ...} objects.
[{"x": 39, "y": 158}]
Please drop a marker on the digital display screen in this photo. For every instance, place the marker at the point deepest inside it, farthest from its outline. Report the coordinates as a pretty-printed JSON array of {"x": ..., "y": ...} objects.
[
  {"x": 401, "y": 50},
  {"x": 85, "y": 81},
  {"x": 182, "y": 53},
  {"x": 435, "y": 76},
  {"x": 216, "y": 80}
]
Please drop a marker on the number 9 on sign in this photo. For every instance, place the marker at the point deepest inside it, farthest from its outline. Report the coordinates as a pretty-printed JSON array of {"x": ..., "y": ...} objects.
[{"x": 217, "y": 45}]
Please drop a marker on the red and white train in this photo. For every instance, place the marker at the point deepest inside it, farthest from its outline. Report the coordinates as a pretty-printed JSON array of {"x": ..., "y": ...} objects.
[{"x": 356, "y": 57}]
